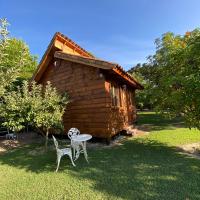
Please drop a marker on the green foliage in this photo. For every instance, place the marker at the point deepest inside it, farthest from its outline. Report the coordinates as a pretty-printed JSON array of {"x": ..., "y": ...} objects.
[
  {"x": 19, "y": 57},
  {"x": 16, "y": 62},
  {"x": 7, "y": 75},
  {"x": 146, "y": 75},
  {"x": 51, "y": 109},
  {"x": 178, "y": 90},
  {"x": 33, "y": 104},
  {"x": 174, "y": 76}
]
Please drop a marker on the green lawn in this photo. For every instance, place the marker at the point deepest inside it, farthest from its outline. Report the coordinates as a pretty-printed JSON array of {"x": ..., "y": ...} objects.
[
  {"x": 148, "y": 167},
  {"x": 169, "y": 132}
]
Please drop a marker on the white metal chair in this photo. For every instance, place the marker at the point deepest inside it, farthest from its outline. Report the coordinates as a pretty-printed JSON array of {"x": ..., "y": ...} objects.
[
  {"x": 62, "y": 152},
  {"x": 4, "y": 132},
  {"x": 10, "y": 136},
  {"x": 78, "y": 147}
]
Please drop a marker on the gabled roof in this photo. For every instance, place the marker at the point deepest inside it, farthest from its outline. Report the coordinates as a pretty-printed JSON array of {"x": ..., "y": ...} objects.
[
  {"x": 64, "y": 48},
  {"x": 62, "y": 43}
]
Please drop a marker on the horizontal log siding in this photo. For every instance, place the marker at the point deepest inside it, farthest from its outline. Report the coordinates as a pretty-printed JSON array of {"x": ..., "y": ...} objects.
[{"x": 88, "y": 109}]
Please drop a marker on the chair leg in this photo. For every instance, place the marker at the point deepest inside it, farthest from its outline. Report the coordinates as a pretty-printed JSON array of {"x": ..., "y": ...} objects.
[
  {"x": 74, "y": 152},
  {"x": 70, "y": 156},
  {"x": 58, "y": 162}
]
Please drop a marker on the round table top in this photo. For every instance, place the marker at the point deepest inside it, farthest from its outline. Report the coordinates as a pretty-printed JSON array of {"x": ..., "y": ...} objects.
[{"x": 81, "y": 137}]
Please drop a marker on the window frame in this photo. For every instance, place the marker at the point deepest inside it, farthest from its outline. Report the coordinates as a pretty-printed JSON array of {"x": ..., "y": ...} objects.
[{"x": 115, "y": 95}]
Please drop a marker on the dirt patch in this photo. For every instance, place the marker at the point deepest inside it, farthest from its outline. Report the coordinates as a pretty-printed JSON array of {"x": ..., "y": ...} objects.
[
  {"x": 22, "y": 138},
  {"x": 193, "y": 149},
  {"x": 118, "y": 141},
  {"x": 145, "y": 127},
  {"x": 140, "y": 132}
]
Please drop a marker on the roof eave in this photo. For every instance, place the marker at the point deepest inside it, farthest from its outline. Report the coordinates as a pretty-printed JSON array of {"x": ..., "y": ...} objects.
[{"x": 99, "y": 64}]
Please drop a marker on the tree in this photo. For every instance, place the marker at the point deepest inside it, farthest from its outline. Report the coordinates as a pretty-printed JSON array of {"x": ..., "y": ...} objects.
[
  {"x": 16, "y": 62},
  {"x": 49, "y": 114},
  {"x": 179, "y": 86},
  {"x": 40, "y": 106},
  {"x": 7, "y": 75},
  {"x": 146, "y": 75},
  {"x": 19, "y": 56},
  {"x": 174, "y": 74}
]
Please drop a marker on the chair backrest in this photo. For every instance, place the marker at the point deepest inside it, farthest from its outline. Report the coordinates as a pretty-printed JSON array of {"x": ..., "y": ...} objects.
[
  {"x": 55, "y": 142},
  {"x": 73, "y": 132}
]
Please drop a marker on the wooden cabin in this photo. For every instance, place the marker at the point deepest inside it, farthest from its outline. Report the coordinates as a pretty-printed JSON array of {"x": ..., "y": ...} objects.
[{"x": 102, "y": 94}]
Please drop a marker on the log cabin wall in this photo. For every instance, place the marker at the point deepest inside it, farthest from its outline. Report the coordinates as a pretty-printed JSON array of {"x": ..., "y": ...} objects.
[
  {"x": 89, "y": 109},
  {"x": 123, "y": 108}
]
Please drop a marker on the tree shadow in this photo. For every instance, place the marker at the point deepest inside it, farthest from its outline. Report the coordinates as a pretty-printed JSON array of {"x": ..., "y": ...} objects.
[
  {"x": 155, "y": 122},
  {"x": 138, "y": 169}
]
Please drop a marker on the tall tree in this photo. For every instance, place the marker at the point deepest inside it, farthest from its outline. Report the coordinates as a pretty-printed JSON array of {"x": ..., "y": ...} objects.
[
  {"x": 16, "y": 62},
  {"x": 174, "y": 75}
]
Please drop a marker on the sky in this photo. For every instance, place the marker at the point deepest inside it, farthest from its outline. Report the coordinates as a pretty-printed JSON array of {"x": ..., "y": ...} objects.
[{"x": 122, "y": 31}]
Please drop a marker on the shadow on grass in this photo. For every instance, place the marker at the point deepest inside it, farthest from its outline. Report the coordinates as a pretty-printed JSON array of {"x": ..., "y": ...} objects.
[
  {"x": 150, "y": 121},
  {"x": 139, "y": 169}
]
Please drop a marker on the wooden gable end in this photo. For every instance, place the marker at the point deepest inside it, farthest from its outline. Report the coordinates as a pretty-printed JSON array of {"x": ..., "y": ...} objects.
[
  {"x": 59, "y": 43},
  {"x": 66, "y": 45}
]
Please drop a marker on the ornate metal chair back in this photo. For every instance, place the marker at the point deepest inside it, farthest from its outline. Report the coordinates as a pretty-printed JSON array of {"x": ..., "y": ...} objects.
[
  {"x": 73, "y": 132},
  {"x": 55, "y": 142}
]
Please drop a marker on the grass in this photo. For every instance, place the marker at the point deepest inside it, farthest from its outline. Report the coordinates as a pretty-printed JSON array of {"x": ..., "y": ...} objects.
[
  {"x": 144, "y": 168},
  {"x": 166, "y": 131}
]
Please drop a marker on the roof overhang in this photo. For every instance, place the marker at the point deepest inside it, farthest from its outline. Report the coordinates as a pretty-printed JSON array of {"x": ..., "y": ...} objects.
[{"x": 101, "y": 64}]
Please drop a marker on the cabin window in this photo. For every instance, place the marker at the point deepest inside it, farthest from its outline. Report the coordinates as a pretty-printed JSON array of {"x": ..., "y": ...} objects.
[
  {"x": 120, "y": 96},
  {"x": 133, "y": 98},
  {"x": 115, "y": 95},
  {"x": 129, "y": 97}
]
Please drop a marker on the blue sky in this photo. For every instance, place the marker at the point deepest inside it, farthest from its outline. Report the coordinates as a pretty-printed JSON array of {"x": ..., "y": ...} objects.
[{"x": 122, "y": 31}]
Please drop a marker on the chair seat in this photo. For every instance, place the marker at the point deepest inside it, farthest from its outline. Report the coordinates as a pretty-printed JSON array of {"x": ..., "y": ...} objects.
[{"x": 66, "y": 150}]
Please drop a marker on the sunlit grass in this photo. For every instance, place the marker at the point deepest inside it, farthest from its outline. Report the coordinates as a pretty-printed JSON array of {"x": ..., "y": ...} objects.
[
  {"x": 171, "y": 132},
  {"x": 149, "y": 167}
]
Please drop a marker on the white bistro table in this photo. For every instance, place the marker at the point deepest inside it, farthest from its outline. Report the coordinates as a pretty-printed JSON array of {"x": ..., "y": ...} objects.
[{"x": 80, "y": 140}]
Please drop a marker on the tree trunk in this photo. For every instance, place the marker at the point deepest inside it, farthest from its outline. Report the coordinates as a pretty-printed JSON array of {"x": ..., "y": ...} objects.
[{"x": 46, "y": 140}]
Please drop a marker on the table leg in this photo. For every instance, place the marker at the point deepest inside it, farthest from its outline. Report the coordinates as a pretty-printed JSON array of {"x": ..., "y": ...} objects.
[
  {"x": 85, "y": 151},
  {"x": 77, "y": 154}
]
